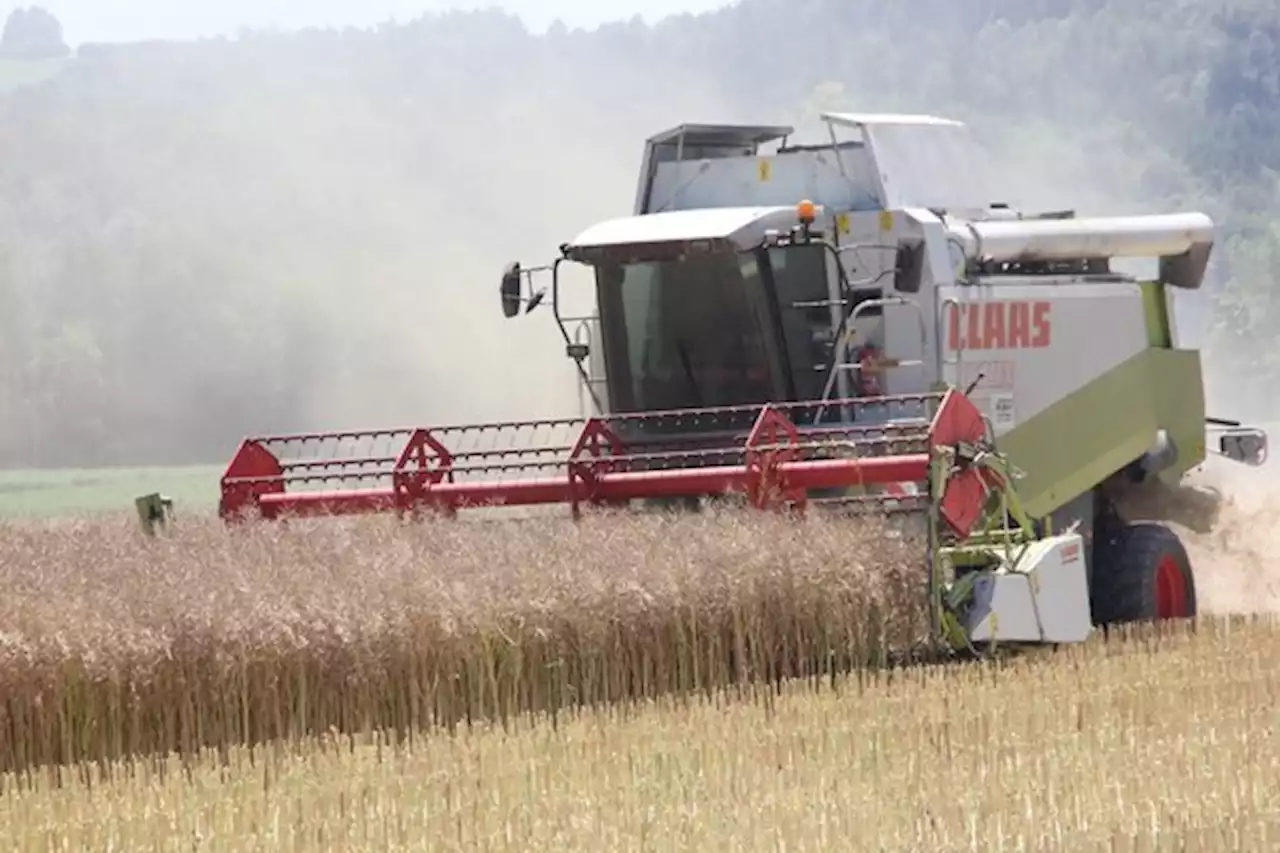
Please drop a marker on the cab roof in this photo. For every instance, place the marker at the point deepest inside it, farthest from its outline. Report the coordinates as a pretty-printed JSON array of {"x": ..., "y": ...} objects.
[{"x": 737, "y": 228}]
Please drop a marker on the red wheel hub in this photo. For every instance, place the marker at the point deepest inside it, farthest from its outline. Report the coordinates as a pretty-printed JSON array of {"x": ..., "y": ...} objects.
[{"x": 1171, "y": 590}]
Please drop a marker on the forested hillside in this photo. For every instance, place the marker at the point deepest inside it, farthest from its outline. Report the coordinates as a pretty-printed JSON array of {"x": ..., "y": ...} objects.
[{"x": 203, "y": 240}]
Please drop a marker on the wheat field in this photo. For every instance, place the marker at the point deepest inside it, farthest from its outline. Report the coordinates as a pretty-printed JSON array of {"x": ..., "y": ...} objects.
[
  {"x": 1158, "y": 742},
  {"x": 653, "y": 683},
  {"x": 115, "y": 645}
]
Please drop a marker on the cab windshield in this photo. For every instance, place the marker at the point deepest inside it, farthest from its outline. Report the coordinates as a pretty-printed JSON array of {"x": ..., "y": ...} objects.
[{"x": 721, "y": 329}]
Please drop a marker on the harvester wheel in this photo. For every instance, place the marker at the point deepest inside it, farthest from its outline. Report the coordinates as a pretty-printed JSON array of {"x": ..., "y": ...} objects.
[{"x": 1142, "y": 574}]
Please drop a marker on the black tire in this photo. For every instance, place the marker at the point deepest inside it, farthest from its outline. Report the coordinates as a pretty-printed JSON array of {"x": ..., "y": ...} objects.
[{"x": 1127, "y": 565}]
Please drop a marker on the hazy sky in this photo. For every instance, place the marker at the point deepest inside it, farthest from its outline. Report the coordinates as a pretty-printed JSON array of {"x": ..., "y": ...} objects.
[{"x": 128, "y": 20}]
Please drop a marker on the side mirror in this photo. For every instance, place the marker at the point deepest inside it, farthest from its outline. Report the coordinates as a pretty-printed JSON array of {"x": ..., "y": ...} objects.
[
  {"x": 908, "y": 266},
  {"x": 511, "y": 290},
  {"x": 1248, "y": 446}
]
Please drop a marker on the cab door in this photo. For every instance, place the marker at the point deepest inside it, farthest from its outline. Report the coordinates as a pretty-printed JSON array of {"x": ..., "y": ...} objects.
[{"x": 796, "y": 283}]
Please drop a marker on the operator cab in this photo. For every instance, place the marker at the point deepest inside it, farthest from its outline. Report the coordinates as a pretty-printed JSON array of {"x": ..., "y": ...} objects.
[
  {"x": 714, "y": 328},
  {"x": 719, "y": 316},
  {"x": 724, "y": 307}
]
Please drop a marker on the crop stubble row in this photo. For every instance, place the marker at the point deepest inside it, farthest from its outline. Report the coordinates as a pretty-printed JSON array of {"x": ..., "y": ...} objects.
[
  {"x": 114, "y": 645},
  {"x": 1156, "y": 742}
]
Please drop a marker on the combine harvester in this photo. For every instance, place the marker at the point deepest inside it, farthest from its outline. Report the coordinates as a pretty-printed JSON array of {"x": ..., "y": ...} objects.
[{"x": 851, "y": 325}]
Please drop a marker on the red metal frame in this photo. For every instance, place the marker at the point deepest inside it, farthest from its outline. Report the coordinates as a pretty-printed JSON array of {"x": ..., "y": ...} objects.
[{"x": 775, "y": 466}]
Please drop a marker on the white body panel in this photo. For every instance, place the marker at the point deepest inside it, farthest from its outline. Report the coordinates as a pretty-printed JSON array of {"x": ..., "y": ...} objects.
[
  {"x": 1034, "y": 343},
  {"x": 1044, "y": 599}
]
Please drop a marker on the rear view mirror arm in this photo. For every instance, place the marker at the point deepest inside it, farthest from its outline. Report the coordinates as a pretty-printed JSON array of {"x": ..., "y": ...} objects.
[{"x": 569, "y": 345}]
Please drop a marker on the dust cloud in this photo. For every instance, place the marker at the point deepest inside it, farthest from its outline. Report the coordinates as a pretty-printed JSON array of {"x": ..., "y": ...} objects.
[
  {"x": 314, "y": 239},
  {"x": 1228, "y": 517},
  {"x": 515, "y": 176},
  {"x": 1237, "y": 561}
]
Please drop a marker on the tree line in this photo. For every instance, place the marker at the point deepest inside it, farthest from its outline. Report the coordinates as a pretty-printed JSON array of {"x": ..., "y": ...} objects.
[{"x": 203, "y": 240}]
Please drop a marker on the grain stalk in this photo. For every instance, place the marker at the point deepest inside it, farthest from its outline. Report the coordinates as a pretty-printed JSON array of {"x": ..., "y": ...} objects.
[{"x": 118, "y": 646}]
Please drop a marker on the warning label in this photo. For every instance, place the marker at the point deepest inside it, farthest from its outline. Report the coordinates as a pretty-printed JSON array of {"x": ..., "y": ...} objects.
[{"x": 1001, "y": 411}]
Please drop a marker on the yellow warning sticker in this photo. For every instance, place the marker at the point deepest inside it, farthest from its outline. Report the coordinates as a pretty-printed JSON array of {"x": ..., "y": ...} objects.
[
  {"x": 766, "y": 168},
  {"x": 886, "y": 220},
  {"x": 842, "y": 223}
]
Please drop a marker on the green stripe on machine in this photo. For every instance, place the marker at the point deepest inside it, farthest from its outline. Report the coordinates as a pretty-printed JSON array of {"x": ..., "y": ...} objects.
[
  {"x": 1156, "y": 311},
  {"x": 1075, "y": 444}
]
